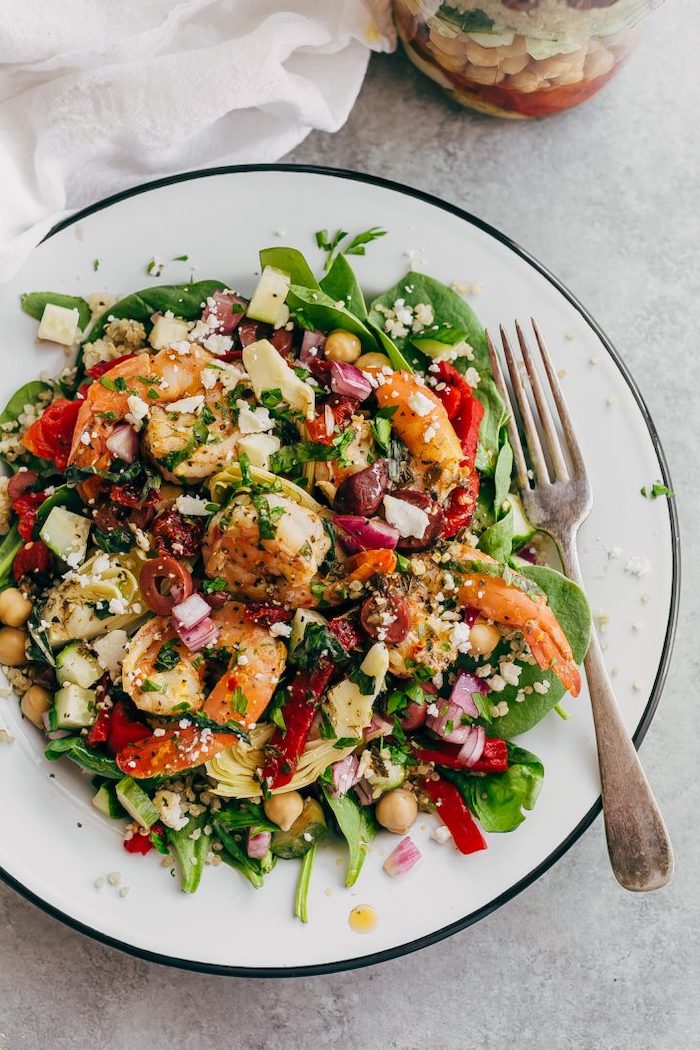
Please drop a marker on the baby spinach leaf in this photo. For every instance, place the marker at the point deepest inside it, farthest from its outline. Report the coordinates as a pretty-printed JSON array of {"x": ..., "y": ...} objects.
[
  {"x": 357, "y": 826},
  {"x": 315, "y": 309},
  {"x": 569, "y": 605},
  {"x": 244, "y": 814},
  {"x": 291, "y": 261},
  {"x": 497, "y": 800},
  {"x": 34, "y": 303},
  {"x": 72, "y": 747},
  {"x": 497, "y": 540},
  {"x": 448, "y": 308},
  {"x": 340, "y": 283},
  {"x": 184, "y": 300},
  {"x": 9, "y": 547},
  {"x": 191, "y": 853},
  {"x": 398, "y": 361},
  {"x": 501, "y": 477},
  {"x": 235, "y": 856},
  {"x": 495, "y": 416}
]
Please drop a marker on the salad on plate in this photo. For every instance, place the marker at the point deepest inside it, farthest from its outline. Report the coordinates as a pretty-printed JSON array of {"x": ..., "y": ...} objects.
[{"x": 263, "y": 575}]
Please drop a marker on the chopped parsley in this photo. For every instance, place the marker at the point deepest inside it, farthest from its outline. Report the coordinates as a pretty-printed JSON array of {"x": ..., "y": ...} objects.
[
  {"x": 364, "y": 682},
  {"x": 656, "y": 490},
  {"x": 167, "y": 657},
  {"x": 115, "y": 541},
  {"x": 214, "y": 586},
  {"x": 152, "y": 687}
]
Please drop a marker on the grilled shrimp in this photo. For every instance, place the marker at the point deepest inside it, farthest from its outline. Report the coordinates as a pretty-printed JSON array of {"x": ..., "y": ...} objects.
[
  {"x": 267, "y": 547},
  {"x": 420, "y": 420},
  {"x": 150, "y": 388},
  {"x": 428, "y": 642},
  {"x": 253, "y": 662}
]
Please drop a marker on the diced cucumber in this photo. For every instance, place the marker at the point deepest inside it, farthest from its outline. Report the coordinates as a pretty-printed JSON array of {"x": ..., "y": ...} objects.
[
  {"x": 66, "y": 534},
  {"x": 136, "y": 802},
  {"x": 74, "y": 706},
  {"x": 106, "y": 801},
  {"x": 443, "y": 343},
  {"x": 392, "y": 776},
  {"x": 302, "y": 619},
  {"x": 269, "y": 295},
  {"x": 76, "y": 664},
  {"x": 523, "y": 529}
]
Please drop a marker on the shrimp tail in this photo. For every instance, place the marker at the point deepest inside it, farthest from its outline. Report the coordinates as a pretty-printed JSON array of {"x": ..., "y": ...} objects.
[{"x": 551, "y": 654}]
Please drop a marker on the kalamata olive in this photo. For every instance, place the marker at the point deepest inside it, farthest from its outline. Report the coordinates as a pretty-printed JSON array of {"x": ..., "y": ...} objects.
[
  {"x": 20, "y": 483},
  {"x": 386, "y": 616},
  {"x": 363, "y": 492},
  {"x": 414, "y": 715},
  {"x": 521, "y": 5},
  {"x": 436, "y": 523},
  {"x": 586, "y": 5},
  {"x": 176, "y": 576}
]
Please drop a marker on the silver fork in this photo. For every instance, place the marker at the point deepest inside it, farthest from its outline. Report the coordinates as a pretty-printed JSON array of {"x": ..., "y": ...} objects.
[{"x": 638, "y": 844}]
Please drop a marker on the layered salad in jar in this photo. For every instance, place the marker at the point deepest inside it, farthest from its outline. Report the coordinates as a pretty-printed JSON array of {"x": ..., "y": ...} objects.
[{"x": 520, "y": 58}]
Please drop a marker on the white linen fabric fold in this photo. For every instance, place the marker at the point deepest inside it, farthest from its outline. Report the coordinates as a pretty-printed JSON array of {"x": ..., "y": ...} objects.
[{"x": 96, "y": 96}]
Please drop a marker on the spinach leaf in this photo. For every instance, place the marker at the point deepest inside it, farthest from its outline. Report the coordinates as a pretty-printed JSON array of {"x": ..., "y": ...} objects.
[
  {"x": 497, "y": 800},
  {"x": 448, "y": 308},
  {"x": 64, "y": 496},
  {"x": 33, "y": 303},
  {"x": 115, "y": 541},
  {"x": 398, "y": 361},
  {"x": 358, "y": 827},
  {"x": 28, "y": 394},
  {"x": 191, "y": 853},
  {"x": 235, "y": 856},
  {"x": 315, "y": 309},
  {"x": 8, "y": 549},
  {"x": 301, "y": 897},
  {"x": 73, "y": 747},
  {"x": 39, "y": 648},
  {"x": 501, "y": 477},
  {"x": 497, "y": 540},
  {"x": 291, "y": 261},
  {"x": 245, "y": 814},
  {"x": 495, "y": 416},
  {"x": 569, "y": 605},
  {"x": 184, "y": 300},
  {"x": 340, "y": 283}
]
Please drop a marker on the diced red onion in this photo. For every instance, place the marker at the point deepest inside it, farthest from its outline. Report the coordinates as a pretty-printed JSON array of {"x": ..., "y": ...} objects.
[
  {"x": 403, "y": 858},
  {"x": 344, "y": 775},
  {"x": 349, "y": 381},
  {"x": 311, "y": 344},
  {"x": 364, "y": 792},
  {"x": 377, "y": 727},
  {"x": 529, "y": 554},
  {"x": 223, "y": 313},
  {"x": 448, "y": 722},
  {"x": 123, "y": 443},
  {"x": 462, "y": 690},
  {"x": 258, "y": 844},
  {"x": 366, "y": 534},
  {"x": 190, "y": 612},
  {"x": 199, "y": 637},
  {"x": 473, "y": 748}
]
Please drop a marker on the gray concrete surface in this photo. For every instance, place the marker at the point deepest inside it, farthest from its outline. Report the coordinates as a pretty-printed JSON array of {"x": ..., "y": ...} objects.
[{"x": 604, "y": 196}]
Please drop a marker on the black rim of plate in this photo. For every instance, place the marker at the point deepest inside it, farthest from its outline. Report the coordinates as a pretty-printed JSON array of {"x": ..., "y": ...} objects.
[{"x": 461, "y": 924}]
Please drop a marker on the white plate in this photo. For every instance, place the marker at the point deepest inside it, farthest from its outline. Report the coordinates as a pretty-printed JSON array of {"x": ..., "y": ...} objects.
[{"x": 53, "y": 844}]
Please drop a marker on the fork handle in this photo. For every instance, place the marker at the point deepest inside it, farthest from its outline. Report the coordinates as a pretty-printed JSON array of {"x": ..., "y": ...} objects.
[{"x": 638, "y": 843}]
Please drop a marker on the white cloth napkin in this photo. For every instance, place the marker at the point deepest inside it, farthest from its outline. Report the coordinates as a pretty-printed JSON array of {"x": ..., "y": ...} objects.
[{"x": 99, "y": 95}]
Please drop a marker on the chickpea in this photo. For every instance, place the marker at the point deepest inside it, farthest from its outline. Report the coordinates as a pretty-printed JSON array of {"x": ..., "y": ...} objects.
[
  {"x": 35, "y": 703},
  {"x": 283, "y": 809},
  {"x": 342, "y": 346},
  {"x": 397, "y": 810},
  {"x": 14, "y": 607},
  {"x": 13, "y": 643},
  {"x": 483, "y": 638},
  {"x": 373, "y": 360}
]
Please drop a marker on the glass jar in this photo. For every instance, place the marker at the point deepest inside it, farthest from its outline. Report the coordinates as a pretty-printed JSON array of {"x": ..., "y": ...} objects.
[{"x": 520, "y": 58}]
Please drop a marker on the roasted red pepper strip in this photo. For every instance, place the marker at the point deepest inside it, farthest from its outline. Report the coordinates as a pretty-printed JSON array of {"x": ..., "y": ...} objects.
[
  {"x": 26, "y": 508},
  {"x": 454, "y": 812},
  {"x": 494, "y": 758},
  {"x": 51, "y": 436},
  {"x": 143, "y": 844},
  {"x": 465, "y": 410},
  {"x": 461, "y": 506},
  {"x": 286, "y": 746},
  {"x": 123, "y": 729},
  {"x": 99, "y": 730},
  {"x": 33, "y": 559}
]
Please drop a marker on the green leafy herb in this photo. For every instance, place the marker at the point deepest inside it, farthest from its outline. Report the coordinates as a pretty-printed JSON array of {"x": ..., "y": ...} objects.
[
  {"x": 656, "y": 490},
  {"x": 346, "y": 741},
  {"x": 501, "y": 477},
  {"x": 152, "y": 687},
  {"x": 95, "y": 265},
  {"x": 268, "y": 517},
  {"x": 381, "y": 426},
  {"x": 180, "y": 258},
  {"x": 214, "y": 586},
  {"x": 318, "y": 642},
  {"x": 357, "y": 244},
  {"x": 284, "y": 461},
  {"x": 239, "y": 701},
  {"x": 167, "y": 657},
  {"x": 364, "y": 682},
  {"x": 9, "y": 548},
  {"x": 116, "y": 541},
  {"x": 34, "y": 304}
]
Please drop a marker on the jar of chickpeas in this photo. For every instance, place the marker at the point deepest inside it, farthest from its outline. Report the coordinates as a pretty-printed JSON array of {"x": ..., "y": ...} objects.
[{"x": 520, "y": 58}]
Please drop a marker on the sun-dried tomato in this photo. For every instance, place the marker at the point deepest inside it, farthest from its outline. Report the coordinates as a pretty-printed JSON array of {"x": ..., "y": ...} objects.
[
  {"x": 176, "y": 535},
  {"x": 33, "y": 559},
  {"x": 26, "y": 508},
  {"x": 266, "y": 615}
]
